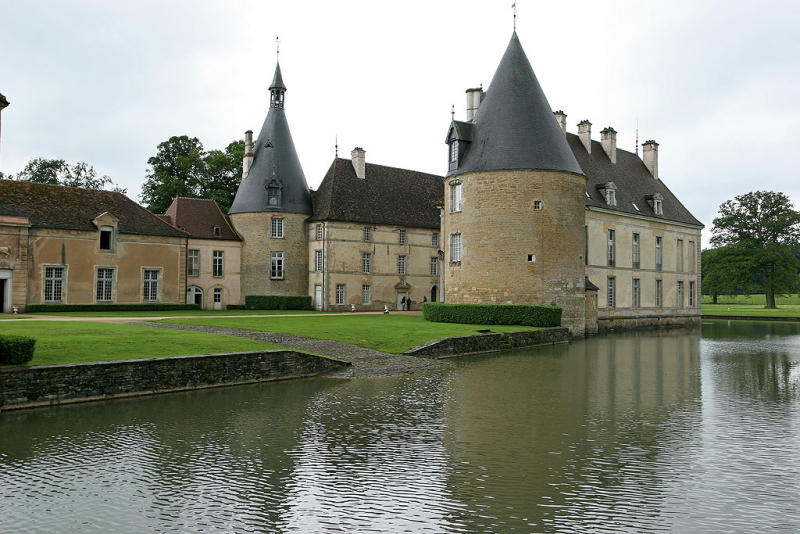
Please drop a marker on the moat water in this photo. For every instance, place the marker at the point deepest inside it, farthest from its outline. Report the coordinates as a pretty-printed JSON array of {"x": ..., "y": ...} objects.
[{"x": 673, "y": 431}]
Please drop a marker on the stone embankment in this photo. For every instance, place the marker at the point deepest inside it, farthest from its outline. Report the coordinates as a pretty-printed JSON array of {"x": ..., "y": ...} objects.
[{"x": 490, "y": 342}]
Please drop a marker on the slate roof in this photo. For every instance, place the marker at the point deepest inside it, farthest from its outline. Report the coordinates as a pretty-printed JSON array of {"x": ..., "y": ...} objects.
[
  {"x": 387, "y": 195},
  {"x": 73, "y": 208},
  {"x": 633, "y": 180},
  {"x": 514, "y": 127},
  {"x": 198, "y": 217}
]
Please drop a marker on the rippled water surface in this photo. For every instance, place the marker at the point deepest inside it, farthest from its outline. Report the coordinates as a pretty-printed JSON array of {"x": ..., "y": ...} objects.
[{"x": 670, "y": 431}]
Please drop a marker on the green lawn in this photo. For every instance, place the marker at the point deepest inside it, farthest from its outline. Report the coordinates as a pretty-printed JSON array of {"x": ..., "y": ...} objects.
[
  {"x": 78, "y": 342},
  {"x": 751, "y": 300},
  {"x": 755, "y": 310},
  {"x": 387, "y": 333},
  {"x": 172, "y": 313}
]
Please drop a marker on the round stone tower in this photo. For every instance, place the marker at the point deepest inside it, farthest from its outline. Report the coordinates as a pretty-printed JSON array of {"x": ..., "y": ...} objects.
[
  {"x": 514, "y": 201},
  {"x": 271, "y": 207}
]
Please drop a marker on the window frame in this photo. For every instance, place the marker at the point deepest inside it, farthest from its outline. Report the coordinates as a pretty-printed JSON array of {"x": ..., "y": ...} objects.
[
  {"x": 402, "y": 264},
  {"x": 193, "y": 256},
  {"x": 107, "y": 282},
  {"x": 218, "y": 263},
  {"x": 318, "y": 263},
  {"x": 636, "y": 293},
  {"x": 611, "y": 247},
  {"x": 659, "y": 300},
  {"x": 456, "y": 197},
  {"x": 318, "y": 232},
  {"x": 366, "y": 294},
  {"x": 452, "y": 151},
  {"x": 277, "y": 265},
  {"x": 150, "y": 285},
  {"x": 659, "y": 253},
  {"x": 106, "y": 230},
  {"x": 611, "y": 292},
  {"x": 367, "y": 235},
  {"x": 402, "y": 237},
  {"x": 366, "y": 262},
  {"x": 636, "y": 251},
  {"x": 679, "y": 297},
  {"x": 217, "y": 292},
  {"x": 435, "y": 239},
  {"x": 341, "y": 290},
  {"x": 434, "y": 266},
  {"x": 276, "y": 228},
  {"x": 456, "y": 247},
  {"x": 53, "y": 282}
]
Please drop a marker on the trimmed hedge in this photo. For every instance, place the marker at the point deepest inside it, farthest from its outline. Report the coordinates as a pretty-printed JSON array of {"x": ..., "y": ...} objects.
[
  {"x": 16, "y": 349},
  {"x": 33, "y": 308},
  {"x": 441, "y": 312},
  {"x": 235, "y": 307},
  {"x": 277, "y": 302}
]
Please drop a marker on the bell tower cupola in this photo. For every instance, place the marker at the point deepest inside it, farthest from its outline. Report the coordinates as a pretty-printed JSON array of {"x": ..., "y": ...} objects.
[{"x": 277, "y": 89}]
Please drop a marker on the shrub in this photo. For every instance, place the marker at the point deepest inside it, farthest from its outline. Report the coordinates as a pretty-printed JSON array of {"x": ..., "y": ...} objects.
[
  {"x": 16, "y": 349},
  {"x": 277, "y": 302},
  {"x": 235, "y": 307},
  {"x": 44, "y": 308},
  {"x": 441, "y": 312}
]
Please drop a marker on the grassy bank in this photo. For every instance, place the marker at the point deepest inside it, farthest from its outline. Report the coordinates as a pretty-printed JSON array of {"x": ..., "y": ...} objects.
[
  {"x": 751, "y": 300},
  {"x": 175, "y": 313},
  {"x": 751, "y": 310},
  {"x": 388, "y": 333},
  {"x": 80, "y": 342}
]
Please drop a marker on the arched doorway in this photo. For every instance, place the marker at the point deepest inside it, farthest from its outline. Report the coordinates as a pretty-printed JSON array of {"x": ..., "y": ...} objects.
[
  {"x": 433, "y": 294},
  {"x": 194, "y": 295}
]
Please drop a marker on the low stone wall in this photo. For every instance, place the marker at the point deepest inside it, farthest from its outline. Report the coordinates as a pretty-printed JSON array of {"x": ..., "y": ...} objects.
[
  {"x": 752, "y": 318},
  {"x": 46, "y": 385},
  {"x": 490, "y": 342},
  {"x": 618, "y": 324}
]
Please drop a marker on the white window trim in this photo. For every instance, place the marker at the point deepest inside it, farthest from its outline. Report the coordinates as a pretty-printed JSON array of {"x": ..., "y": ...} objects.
[
  {"x": 366, "y": 291},
  {"x": 455, "y": 258},
  {"x": 402, "y": 264},
  {"x": 272, "y": 257},
  {"x": 277, "y": 228},
  {"x": 343, "y": 299},
  {"x": 188, "y": 262},
  {"x": 366, "y": 263},
  {"x": 214, "y": 263},
  {"x": 64, "y": 273},
  {"x": 159, "y": 284},
  {"x": 113, "y": 297}
]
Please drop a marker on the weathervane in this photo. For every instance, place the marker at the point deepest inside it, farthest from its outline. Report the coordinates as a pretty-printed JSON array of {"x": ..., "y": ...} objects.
[
  {"x": 336, "y": 146},
  {"x": 514, "y": 7},
  {"x": 278, "y": 47},
  {"x": 637, "y": 136},
  {"x": 453, "y": 112}
]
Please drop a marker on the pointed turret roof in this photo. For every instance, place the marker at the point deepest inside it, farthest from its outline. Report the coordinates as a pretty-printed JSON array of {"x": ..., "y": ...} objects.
[
  {"x": 514, "y": 127},
  {"x": 274, "y": 157}
]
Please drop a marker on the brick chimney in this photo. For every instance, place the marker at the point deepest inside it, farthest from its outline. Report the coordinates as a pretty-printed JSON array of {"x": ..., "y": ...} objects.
[
  {"x": 359, "y": 161},
  {"x": 585, "y": 133},
  {"x": 650, "y": 157},
  {"x": 608, "y": 138},
  {"x": 561, "y": 118},
  {"x": 474, "y": 98},
  {"x": 247, "y": 161}
]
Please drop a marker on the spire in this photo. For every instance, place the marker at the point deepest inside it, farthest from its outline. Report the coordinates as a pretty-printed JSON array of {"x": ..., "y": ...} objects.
[
  {"x": 514, "y": 127},
  {"x": 277, "y": 89}
]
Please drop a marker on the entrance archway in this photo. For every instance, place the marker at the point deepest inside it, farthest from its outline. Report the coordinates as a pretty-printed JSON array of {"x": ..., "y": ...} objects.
[
  {"x": 434, "y": 290},
  {"x": 194, "y": 295}
]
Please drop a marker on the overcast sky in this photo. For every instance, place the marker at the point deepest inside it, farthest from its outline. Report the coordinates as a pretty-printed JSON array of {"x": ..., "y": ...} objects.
[{"x": 715, "y": 83}]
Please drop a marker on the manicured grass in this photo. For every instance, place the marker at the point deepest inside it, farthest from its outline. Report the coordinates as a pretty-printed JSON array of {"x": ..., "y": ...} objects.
[
  {"x": 78, "y": 342},
  {"x": 174, "y": 313},
  {"x": 751, "y": 300},
  {"x": 387, "y": 333},
  {"x": 757, "y": 310}
]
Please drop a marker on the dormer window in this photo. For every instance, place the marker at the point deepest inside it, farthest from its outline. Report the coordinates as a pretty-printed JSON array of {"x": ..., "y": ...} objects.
[
  {"x": 453, "y": 154},
  {"x": 274, "y": 194},
  {"x": 106, "y": 237},
  {"x": 656, "y": 202},
  {"x": 217, "y": 231},
  {"x": 609, "y": 190}
]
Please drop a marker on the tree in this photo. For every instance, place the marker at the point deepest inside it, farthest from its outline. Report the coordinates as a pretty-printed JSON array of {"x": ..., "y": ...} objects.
[
  {"x": 727, "y": 271},
  {"x": 765, "y": 226},
  {"x": 181, "y": 167},
  {"x": 59, "y": 172}
]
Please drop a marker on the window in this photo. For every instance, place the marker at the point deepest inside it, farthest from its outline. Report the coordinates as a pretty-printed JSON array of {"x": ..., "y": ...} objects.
[
  {"x": 217, "y": 266},
  {"x": 635, "y": 260},
  {"x": 276, "y": 265},
  {"x": 193, "y": 267},
  {"x": 434, "y": 239},
  {"x": 366, "y": 294},
  {"x": 401, "y": 265},
  {"x": 679, "y": 295},
  {"x": 588, "y": 195},
  {"x": 635, "y": 206},
  {"x": 659, "y": 294},
  {"x": 217, "y": 295},
  {"x": 611, "y": 248},
  {"x": 586, "y": 245},
  {"x": 366, "y": 262},
  {"x": 217, "y": 231},
  {"x": 434, "y": 266},
  {"x": 319, "y": 231},
  {"x": 401, "y": 236},
  {"x": 105, "y": 283},
  {"x": 318, "y": 261},
  {"x": 692, "y": 257},
  {"x": 658, "y": 206},
  {"x": 659, "y": 255},
  {"x": 276, "y": 228},
  {"x": 150, "y": 285},
  {"x": 637, "y": 299},
  {"x": 455, "y": 247},
  {"x": 367, "y": 233},
  {"x": 679, "y": 256},
  {"x": 453, "y": 159},
  {"x": 691, "y": 293},
  {"x": 455, "y": 196},
  {"x": 106, "y": 234},
  {"x": 610, "y": 292},
  {"x": 53, "y": 283},
  {"x": 537, "y": 204},
  {"x": 340, "y": 294}
]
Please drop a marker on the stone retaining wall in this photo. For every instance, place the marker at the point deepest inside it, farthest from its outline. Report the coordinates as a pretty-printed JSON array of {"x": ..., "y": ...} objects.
[
  {"x": 46, "y": 385},
  {"x": 619, "y": 324},
  {"x": 489, "y": 342}
]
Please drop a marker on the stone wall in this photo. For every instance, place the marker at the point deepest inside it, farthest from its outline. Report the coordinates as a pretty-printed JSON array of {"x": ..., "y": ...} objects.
[
  {"x": 490, "y": 342},
  {"x": 47, "y": 385},
  {"x": 618, "y": 324}
]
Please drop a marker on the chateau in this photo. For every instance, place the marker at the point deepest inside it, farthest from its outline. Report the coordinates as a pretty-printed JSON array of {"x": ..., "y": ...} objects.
[{"x": 526, "y": 214}]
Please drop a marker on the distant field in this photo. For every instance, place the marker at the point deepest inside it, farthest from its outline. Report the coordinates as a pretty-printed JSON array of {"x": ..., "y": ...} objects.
[
  {"x": 758, "y": 310},
  {"x": 751, "y": 300},
  {"x": 79, "y": 342},
  {"x": 174, "y": 313}
]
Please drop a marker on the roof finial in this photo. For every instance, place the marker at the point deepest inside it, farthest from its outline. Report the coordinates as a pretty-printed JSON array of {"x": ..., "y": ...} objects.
[
  {"x": 637, "y": 136},
  {"x": 336, "y": 146},
  {"x": 453, "y": 113},
  {"x": 278, "y": 48},
  {"x": 514, "y": 7}
]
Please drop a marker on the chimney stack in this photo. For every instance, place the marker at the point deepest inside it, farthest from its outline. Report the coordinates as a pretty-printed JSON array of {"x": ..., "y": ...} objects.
[
  {"x": 650, "y": 157},
  {"x": 359, "y": 161},
  {"x": 561, "y": 118},
  {"x": 608, "y": 138},
  {"x": 585, "y": 133},
  {"x": 247, "y": 161},
  {"x": 474, "y": 97}
]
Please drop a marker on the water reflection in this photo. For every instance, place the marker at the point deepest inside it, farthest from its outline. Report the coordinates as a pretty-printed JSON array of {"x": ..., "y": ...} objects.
[{"x": 647, "y": 432}]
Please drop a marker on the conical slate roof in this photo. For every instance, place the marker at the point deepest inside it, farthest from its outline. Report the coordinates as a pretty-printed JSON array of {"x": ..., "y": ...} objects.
[
  {"x": 277, "y": 80},
  {"x": 514, "y": 127},
  {"x": 274, "y": 157}
]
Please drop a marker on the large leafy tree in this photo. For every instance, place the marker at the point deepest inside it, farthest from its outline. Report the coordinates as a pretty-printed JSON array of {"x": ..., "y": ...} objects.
[
  {"x": 764, "y": 226},
  {"x": 182, "y": 167},
  {"x": 727, "y": 271},
  {"x": 59, "y": 172}
]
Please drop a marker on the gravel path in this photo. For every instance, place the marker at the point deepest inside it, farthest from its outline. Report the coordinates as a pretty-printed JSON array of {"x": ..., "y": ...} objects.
[{"x": 365, "y": 362}]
